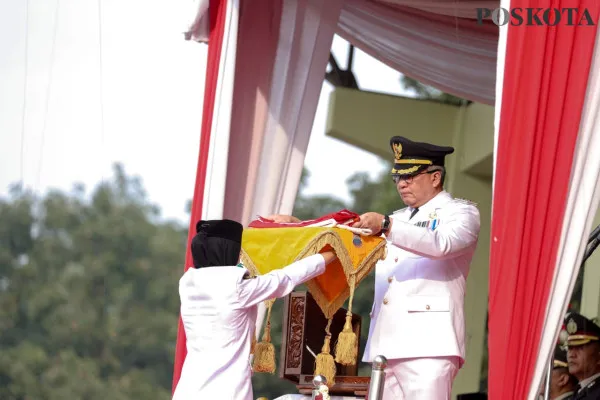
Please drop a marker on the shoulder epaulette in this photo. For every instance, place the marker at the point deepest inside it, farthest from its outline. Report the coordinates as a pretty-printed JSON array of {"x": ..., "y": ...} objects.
[
  {"x": 400, "y": 210},
  {"x": 464, "y": 201}
]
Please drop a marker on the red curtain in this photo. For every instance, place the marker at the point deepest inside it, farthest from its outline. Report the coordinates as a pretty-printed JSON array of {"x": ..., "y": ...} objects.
[
  {"x": 545, "y": 80},
  {"x": 217, "y": 13}
]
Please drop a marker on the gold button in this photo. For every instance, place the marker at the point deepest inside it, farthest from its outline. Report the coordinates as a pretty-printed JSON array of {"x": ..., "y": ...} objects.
[
  {"x": 427, "y": 307},
  {"x": 385, "y": 301},
  {"x": 390, "y": 279}
]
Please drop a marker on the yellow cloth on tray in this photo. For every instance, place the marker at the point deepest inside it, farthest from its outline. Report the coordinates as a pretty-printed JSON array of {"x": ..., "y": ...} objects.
[{"x": 268, "y": 249}]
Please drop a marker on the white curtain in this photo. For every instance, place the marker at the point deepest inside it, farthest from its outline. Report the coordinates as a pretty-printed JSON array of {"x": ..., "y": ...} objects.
[
  {"x": 283, "y": 49},
  {"x": 198, "y": 29},
  {"x": 305, "y": 37},
  {"x": 453, "y": 54},
  {"x": 263, "y": 123},
  {"x": 454, "y": 8},
  {"x": 216, "y": 167},
  {"x": 437, "y": 42},
  {"x": 499, "y": 82}
]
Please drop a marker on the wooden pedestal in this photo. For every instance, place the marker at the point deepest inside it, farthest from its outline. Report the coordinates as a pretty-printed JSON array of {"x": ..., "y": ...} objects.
[{"x": 304, "y": 326}]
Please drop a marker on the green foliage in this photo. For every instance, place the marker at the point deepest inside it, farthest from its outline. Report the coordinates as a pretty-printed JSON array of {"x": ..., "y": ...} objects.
[
  {"x": 309, "y": 207},
  {"x": 88, "y": 294},
  {"x": 88, "y": 289}
]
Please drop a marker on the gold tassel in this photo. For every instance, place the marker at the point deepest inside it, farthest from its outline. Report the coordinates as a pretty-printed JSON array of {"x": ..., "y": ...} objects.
[
  {"x": 346, "y": 349},
  {"x": 264, "y": 352},
  {"x": 325, "y": 364},
  {"x": 253, "y": 343}
]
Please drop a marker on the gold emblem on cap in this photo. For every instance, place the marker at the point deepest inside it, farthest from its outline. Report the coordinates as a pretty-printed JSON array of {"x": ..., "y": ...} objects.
[
  {"x": 433, "y": 215},
  {"x": 571, "y": 326},
  {"x": 397, "y": 150}
]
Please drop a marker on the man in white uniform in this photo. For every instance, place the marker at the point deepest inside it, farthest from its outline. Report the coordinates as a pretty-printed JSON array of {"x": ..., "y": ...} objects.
[
  {"x": 219, "y": 306},
  {"x": 417, "y": 320}
]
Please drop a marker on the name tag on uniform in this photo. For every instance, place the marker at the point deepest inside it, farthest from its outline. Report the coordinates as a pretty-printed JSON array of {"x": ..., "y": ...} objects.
[{"x": 432, "y": 223}]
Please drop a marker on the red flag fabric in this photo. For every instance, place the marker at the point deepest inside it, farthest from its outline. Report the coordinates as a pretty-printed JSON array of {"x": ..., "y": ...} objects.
[{"x": 342, "y": 217}]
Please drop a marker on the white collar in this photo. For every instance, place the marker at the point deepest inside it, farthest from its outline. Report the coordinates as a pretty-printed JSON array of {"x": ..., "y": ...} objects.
[
  {"x": 585, "y": 382},
  {"x": 564, "y": 396},
  {"x": 439, "y": 199}
]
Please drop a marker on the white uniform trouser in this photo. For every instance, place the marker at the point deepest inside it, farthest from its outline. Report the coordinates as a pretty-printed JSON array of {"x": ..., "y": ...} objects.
[{"x": 420, "y": 378}]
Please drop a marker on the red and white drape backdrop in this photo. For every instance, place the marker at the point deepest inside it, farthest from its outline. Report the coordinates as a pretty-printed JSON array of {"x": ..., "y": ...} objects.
[
  {"x": 545, "y": 192},
  {"x": 428, "y": 43},
  {"x": 266, "y": 62},
  {"x": 265, "y": 68}
]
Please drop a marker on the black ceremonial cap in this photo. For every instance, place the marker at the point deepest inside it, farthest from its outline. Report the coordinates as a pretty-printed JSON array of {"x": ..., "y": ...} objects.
[
  {"x": 221, "y": 228},
  {"x": 581, "y": 330},
  {"x": 560, "y": 357},
  {"x": 410, "y": 157}
]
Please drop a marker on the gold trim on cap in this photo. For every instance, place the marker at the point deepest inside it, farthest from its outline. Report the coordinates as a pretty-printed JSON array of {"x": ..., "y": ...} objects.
[
  {"x": 558, "y": 363},
  {"x": 575, "y": 343},
  {"x": 406, "y": 171},
  {"x": 577, "y": 337},
  {"x": 413, "y": 161}
]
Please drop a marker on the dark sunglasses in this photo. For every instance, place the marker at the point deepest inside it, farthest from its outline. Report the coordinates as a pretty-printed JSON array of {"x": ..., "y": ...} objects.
[{"x": 408, "y": 179}]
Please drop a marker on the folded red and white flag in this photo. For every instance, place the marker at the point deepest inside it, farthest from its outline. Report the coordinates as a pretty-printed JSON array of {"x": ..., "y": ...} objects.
[{"x": 340, "y": 219}]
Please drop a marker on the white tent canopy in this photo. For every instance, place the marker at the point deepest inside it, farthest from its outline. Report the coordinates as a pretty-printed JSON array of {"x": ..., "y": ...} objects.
[{"x": 266, "y": 63}]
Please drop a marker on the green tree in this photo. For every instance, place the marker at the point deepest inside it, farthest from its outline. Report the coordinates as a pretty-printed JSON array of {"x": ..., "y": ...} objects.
[
  {"x": 88, "y": 289},
  {"x": 309, "y": 207}
]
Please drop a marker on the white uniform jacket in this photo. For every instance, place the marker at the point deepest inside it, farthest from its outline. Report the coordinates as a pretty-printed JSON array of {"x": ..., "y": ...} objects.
[
  {"x": 218, "y": 309},
  {"x": 420, "y": 286}
]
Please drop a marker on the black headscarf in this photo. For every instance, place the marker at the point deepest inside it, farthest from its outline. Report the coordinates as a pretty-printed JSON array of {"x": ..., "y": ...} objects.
[{"x": 217, "y": 243}]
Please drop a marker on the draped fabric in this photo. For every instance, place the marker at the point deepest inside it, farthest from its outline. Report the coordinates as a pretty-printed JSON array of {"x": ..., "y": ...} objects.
[
  {"x": 582, "y": 203},
  {"x": 282, "y": 55},
  {"x": 267, "y": 249},
  {"x": 461, "y": 9},
  {"x": 437, "y": 42},
  {"x": 545, "y": 176},
  {"x": 544, "y": 85},
  {"x": 499, "y": 86},
  {"x": 283, "y": 48},
  {"x": 265, "y": 67},
  {"x": 218, "y": 88},
  {"x": 453, "y": 54}
]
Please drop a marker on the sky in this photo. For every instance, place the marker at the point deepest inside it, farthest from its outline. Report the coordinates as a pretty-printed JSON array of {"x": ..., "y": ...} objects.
[{"x": 57, "y": 127}]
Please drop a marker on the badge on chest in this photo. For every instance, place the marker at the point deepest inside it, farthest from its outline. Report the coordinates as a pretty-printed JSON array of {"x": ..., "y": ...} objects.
[{"x": 432, "y": 222}]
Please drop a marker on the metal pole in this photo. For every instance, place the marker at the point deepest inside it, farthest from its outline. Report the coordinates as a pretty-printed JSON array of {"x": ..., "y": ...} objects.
[
  {"x": 377, "y": 378},
  {"x": 548, "y": 374},
  {"x": 317, "y": 381},
  {"x": 595, "y": 233}
]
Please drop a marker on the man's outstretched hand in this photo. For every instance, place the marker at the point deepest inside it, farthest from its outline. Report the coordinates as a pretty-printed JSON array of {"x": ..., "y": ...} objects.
[
  {"x": 283, "y": 219},
  {"x": 370, "y": 220}
]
